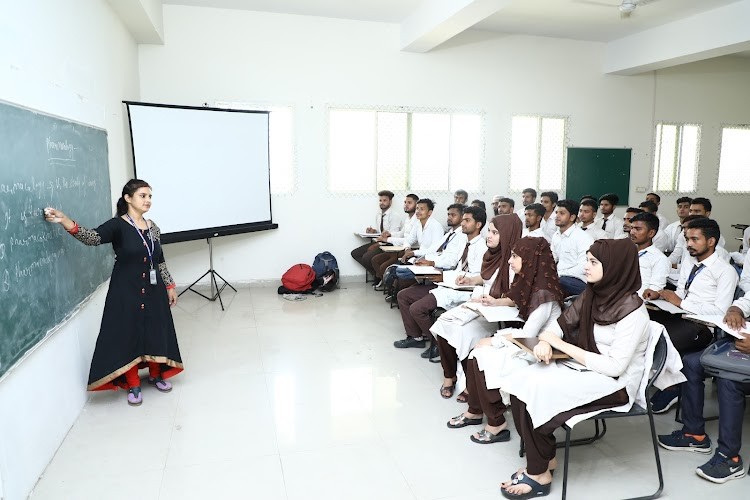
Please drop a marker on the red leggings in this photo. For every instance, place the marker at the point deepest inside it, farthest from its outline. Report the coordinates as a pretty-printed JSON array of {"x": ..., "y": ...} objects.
[{"x": 132, "y": 378}]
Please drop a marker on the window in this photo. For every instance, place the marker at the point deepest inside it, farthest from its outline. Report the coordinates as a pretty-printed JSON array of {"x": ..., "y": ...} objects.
[
  {"x": 280, "y": 143},
  {"x": 537, "y": 153},
  {"x": 370, "y": 150},
  {"x": 675, "y": 157},
  {"x": 734, "y": 161}
]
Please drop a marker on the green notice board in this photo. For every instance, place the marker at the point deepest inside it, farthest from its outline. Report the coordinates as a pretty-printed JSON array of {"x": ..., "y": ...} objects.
[
  {"x": 597, "y": 171},
  {"x": 44, "y": 272}
]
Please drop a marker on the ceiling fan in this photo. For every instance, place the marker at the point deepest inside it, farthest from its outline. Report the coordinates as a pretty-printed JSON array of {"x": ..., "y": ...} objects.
[{"x": 626, "y": 7}]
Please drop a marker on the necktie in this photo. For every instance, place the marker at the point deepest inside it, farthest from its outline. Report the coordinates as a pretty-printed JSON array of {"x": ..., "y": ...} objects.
[
  {"x": 641, "y": 253},
  {"x": 382, "y": 218},
  {"x": 604, "y": 225},
  {"x": 448, "y": 238},
  {"x": 465, "y": 258},
  {"x": 584, "y": 228},
  {"x": 693, "y": 273}
]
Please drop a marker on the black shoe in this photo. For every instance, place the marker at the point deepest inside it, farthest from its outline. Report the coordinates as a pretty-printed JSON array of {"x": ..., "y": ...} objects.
[
  {"x": 431, "y": 352},
  {"x": 408, "y": 342}
]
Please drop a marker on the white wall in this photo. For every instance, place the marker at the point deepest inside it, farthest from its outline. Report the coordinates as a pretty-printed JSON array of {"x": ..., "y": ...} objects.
[
  {"x": 214, "y": 54},
  {"x": 75, "y": 60}
]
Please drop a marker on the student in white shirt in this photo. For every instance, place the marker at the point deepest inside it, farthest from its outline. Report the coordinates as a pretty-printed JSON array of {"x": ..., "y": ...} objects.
[
  {"x": 483, "y": 206},
  {"x": 745, "y": 277},
  {"x": 548, "y": 199},
  {"x": 506, "y": 206},
  {"x": 674, "y": 230},
  {"x": 739, "y": 257},
  {"x": 454, "y": 342},
  {"x": 569, "y": 246},
  {"x": 495, "y": 202},
  {"x": 660, "y": 241},
  {"x": 706, "y": 286},
  {"x": 416, "y": 303},
  {"x": 677, "y": 255},
  {"x": 388, "y": 219},
  {"x": 425, "y": 232},
  {"x": 608, "y": 221},
  {"x": 654, "y": 265},
  {"x": 630, "y": 212},
  {"x": 536, "y": 292},
  {"x": 586, "y": 218},
  {"x": 533, "y": 217},
  {"x": 663, "y": 221},
  {"x": 528, "y": 196},
  {"x": 382, "y": 260}
]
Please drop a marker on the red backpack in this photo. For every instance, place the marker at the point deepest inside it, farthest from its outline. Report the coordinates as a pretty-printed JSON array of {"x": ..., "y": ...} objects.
[{"x": 298, "y": 278}]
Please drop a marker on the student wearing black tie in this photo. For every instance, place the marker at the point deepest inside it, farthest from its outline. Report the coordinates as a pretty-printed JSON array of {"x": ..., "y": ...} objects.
[
  {"x": 608, "y": 221},
  {"x": 706, "y": 286},
  {"x": 387, "y": 219}
]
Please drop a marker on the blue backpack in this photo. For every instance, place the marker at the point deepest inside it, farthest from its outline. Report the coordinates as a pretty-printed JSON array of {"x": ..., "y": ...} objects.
[{"x": 326, "y": 270}]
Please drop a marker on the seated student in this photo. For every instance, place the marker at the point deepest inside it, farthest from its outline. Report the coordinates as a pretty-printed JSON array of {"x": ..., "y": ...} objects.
[
  {"x": 536, "y": 292},
  {"x": 608, "y": 221},
  {"x": 506, "y": 206},
  {"x": 726, "y": 463},
  {"x": 455, "y": 341},
  {"x": 739, "y": 257},
  {"x": 586, "y": 220},
  {"x": 661, "y": 240},
  {"x": 417, "y": 302},
  {"x": 460, "y": 197},
  {"x": 480, "y": 204},
  {"x": 611, "y": 341},
  {"x": 629, "y": 213},
  {"x": 548, "y": 199},
  {"x": 675, "y": 258},
  {"x": 387, "y": 219},
  {"x": 745, "y": 277},
  {"x": 706, "y": 286},
  {"x": 654, "y": 265},
  {"x": 528, "y": 196},
  {"x": 379, "y": 261},
  {"x": 674, "y": 230},
  {"x": 444, "y": 253},
  {"x": 656, "y": 199},
  {"x": 702, "y": 207},
  {"x": 495, "y": 202},
  {"x": 569, "y": 246},
  {"x": 534, "y": 215}
]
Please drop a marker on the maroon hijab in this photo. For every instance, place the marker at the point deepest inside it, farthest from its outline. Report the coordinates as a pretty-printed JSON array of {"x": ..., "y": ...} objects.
[
  {"x": 610, "y": 299},
  {"x": 510, "y": 229},
  {"x": 537, "y": 281}
]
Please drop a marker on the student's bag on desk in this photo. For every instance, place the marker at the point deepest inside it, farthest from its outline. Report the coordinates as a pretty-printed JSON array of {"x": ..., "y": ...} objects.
[{"x": 723, "y": 360}]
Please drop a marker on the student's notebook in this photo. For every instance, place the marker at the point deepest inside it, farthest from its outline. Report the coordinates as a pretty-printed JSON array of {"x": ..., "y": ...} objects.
[
  {"x": 528, "y": 344},
  {"x": 494, "y": 313},
  {"x": 718, "y": 320}
]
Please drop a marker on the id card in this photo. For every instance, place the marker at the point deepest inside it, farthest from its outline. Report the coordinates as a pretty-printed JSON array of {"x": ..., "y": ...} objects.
[{"x": 152, "y": 276}]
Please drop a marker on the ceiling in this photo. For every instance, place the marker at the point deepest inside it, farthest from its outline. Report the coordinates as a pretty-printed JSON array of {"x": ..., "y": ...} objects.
[{"x": 592, "y": 20}]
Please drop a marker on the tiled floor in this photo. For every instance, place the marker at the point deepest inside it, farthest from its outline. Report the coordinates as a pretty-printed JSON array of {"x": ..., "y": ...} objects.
[{"x": 309, "y": 400}]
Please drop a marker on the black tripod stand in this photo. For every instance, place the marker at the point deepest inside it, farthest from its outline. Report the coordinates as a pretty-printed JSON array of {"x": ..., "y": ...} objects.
[{"x": 212, "y": 281}]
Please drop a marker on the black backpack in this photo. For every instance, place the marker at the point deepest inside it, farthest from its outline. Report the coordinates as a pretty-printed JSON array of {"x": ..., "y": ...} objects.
[{"x": 326, "y": 271}]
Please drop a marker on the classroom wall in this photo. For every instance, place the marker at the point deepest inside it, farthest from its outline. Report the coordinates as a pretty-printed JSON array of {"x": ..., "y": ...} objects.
[
  {"x": 73, "y": 59},
  {"x": 307, "y": 62}
]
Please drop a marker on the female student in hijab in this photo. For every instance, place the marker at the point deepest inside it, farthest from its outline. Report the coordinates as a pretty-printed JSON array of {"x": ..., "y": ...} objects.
[
  {"x": 608, "y": 349},
  {"x": 536, "y": 292},
  {"x": 455, "y": 340},
  {"x": 137, "y": 328}
]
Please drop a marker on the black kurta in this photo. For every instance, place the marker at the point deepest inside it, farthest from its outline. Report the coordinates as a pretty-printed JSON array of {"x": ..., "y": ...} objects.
[{"x": 137, "y": 325}]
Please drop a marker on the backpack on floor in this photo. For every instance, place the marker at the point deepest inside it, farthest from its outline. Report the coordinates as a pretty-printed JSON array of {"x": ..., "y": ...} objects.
[
  {"x": 298, "y": 278},
  {"x": 326, "y": 271}
]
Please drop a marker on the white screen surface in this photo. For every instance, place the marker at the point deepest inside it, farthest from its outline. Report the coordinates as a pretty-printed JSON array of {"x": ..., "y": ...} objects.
[{"x": 208, "y": 168}]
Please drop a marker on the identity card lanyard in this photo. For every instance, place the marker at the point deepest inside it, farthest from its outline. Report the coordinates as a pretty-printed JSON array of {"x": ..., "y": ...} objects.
[{"x": 152, "y": 272}]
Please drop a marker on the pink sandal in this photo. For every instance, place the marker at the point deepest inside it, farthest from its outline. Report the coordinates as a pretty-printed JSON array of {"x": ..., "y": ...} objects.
[{"x": 160, "y": 384}]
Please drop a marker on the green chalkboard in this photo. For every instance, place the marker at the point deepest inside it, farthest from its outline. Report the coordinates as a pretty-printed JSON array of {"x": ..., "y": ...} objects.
[
  {"x": 597, "y": 171},
  {"x": 44, "y": 272}
]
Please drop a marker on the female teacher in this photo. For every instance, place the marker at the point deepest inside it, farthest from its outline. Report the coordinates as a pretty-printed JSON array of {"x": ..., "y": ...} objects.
[{"x": 137, "y": 328}]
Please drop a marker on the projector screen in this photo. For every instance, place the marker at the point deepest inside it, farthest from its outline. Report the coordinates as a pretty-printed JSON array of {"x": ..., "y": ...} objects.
[{"x": 208, "y": 169}]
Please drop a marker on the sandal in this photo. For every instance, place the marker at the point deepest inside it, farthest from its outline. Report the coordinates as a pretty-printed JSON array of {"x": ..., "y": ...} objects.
[
  {"x": 135, "y": 398},
  {"x": 462, "y": 421},
  {"x": 537, "y": 489},
  {"x": 446, "y": 391},
  {"x": 486, "y": 437},
  {"x": 463, "y": 397},
  {"x": 160, "y": 384}
]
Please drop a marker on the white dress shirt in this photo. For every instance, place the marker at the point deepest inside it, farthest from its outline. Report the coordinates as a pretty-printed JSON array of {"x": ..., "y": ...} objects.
[
  {"x": 594, "y": 231},
  {"x": 661, "y": 241},
  {"x": 521, "y": 213},
  {"x": 425, "y": 236},
  {"x": 663, "y": 221},
  {"x": 712, "y": 287},
  {"x": 744, "y": 304},
  {"x": 613, "y": 227},
  {"x": 673, "y": 232},
  {"x": 655, "y": 268},
  {"x": 393, "y": 220},
  {"x": 745, "y": 277},
  {"x": 536, "y": 233},
  {"x": 679, "y": 250},
  {"x": 447, "y": 257},
  {"x": 548, "y": 227},
  {"x": 399, "y": 237},
  {"x": 569, "y": 250},
  {"x": 739, "y": 257},
  {"x": 477, "y": 249}
]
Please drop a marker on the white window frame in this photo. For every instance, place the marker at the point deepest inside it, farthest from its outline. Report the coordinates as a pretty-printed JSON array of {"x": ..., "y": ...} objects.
[
  {"x": 563, "y": 170},
  {"x": 718, "y": 162},
  {"x": 291, "y": 139},
  {"x": 677, "y": 157},
  {"x": 410, "y": 110}
]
